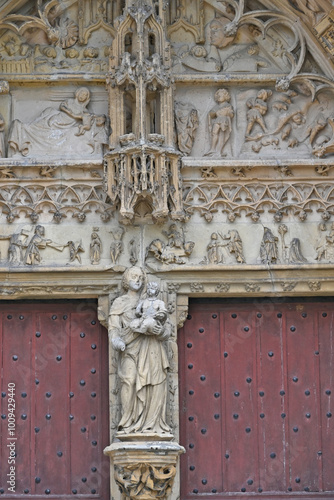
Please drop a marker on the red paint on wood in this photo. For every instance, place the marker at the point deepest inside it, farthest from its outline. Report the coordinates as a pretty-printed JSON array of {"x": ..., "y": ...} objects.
[
  {"x": 57, "y": 346},
  {"x": 268, "y": 432}
]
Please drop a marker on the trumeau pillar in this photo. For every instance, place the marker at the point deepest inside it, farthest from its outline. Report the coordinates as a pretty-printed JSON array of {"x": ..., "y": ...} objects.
[{"x": 143, "y": 454}]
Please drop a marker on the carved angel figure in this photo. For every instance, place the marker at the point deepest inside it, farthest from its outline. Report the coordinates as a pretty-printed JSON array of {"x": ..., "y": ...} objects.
[
  {"x": 72, "y": 129},
  {"x": 143, "y": 362}
]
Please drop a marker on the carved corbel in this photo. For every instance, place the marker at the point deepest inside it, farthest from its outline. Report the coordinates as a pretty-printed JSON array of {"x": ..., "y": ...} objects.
[
  {"x": 145, "y": 470},
  {"x": 182, "y": 306}
]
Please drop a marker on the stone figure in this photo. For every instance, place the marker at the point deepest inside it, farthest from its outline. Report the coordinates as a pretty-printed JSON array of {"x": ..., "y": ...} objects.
[
  {"x": 322, "y": 243},
  {"x": 133, "y": 251},
  {"x": 268, "y": 248},
  {"x": 175, "y": 250},
  {"x": 150, "y": 312},
  {"x": 295, "y": 253},
  {"x": 218, "y": 241},
  {"x": 75, "y": 249},
  {"x": 214, "y": 254},
  {"x": 17, "y": 242},
  {"x": 2, "y": 137},
  {"x": 235, "y": 245},
  {"x": 142, "y": 362},
  {"x": 72, "y": 129},
  {"x": 95, "y": 248},
  {"x": 186, "y": 121},
  {"x": 258, "y": 107},
  {"x": 325, "y": 244},
  {"x": 220, "y": 123},
  {"x": 116, "y": 246},
  {"x": 38, "y": 242}
]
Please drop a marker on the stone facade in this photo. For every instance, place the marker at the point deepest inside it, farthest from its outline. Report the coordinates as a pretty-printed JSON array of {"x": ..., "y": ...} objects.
[{"x": 192, "y": 140}]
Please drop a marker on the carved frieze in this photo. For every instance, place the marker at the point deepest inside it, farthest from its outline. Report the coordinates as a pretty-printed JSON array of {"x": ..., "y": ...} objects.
[
  {"x": 281, "y": 199},
  {"x": 56, "y": 200}
]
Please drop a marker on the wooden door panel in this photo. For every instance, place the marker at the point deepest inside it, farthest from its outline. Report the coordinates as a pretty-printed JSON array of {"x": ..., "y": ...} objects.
[
  {"x": 57, "y": 356},
  {"x": 259, "y": 422}
]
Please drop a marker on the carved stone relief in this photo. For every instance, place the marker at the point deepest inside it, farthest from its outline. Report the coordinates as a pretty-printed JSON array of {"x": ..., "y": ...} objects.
[
  {"x": 95, "y": 248},
  {"x": 219, "y": 243},
  {"x": 220, "y": 123},
  {"x": 137, "y": 330},
  {"x": 186, "y": 122},
  {"x": 72, "y": 127},
  {"x": 53, "y": 39},
  {"x": 265, "y": 199},
  {"x": 116, "y": 246},
  {"x": 291, "y": 254},
  {"x": 56, "y": 201},
  {"x": 176, "y": 251}
]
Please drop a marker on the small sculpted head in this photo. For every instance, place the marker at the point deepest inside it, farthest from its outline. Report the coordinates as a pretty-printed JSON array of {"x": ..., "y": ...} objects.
[
  {"x": 152, "y": 289},
  {"x": 83, "y": 95},
  {"x": 222, "y": 95},
  {"x": 133, "y": 279},
  {"x": 218, "y": 38}
]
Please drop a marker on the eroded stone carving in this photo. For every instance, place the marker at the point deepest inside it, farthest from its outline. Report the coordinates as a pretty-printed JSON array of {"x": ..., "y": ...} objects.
[
  {"x": 186, "y": 121},
  {"x": 137, "y": 329},
  {"x": 220, "y": 123},
  {"x": 144, "y": 481},
  {"x": 72, "y": 128},
  {"x": 133, "y": 251},
  {"x": 75, "y": 249},
  {"x": 95, "y": 248},
  {"x": 268, "y": 248},
  {"x": 175, "y": 251},
  {"x": 37, "y": 243},
  {"x": 218, "y": 242},
  {"x": 258, "y": 108},
  {"x": 325, "y": 244},
  {"x": 116, "y": 246}
]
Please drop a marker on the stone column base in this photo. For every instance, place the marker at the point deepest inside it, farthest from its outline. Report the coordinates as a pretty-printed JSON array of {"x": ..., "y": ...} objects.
[{"x": 144, "y": 470}]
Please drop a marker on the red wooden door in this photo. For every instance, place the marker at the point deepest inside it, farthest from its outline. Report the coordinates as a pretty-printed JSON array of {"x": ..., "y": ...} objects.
[
  {"x": 55, "y": 357},
  {"x": 256, "y": 399}
]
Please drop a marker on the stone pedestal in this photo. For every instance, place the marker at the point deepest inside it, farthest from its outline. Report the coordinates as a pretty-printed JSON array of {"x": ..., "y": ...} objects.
[{"x": 144, "y": 470}]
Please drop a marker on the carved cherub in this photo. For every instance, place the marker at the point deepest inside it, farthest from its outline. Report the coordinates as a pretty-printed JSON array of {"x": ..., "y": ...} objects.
[{"x": 220, "y": 123}]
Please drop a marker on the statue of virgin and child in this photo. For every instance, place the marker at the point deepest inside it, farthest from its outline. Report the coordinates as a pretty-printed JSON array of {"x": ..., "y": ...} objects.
[{"x": 138, "y": 327}]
